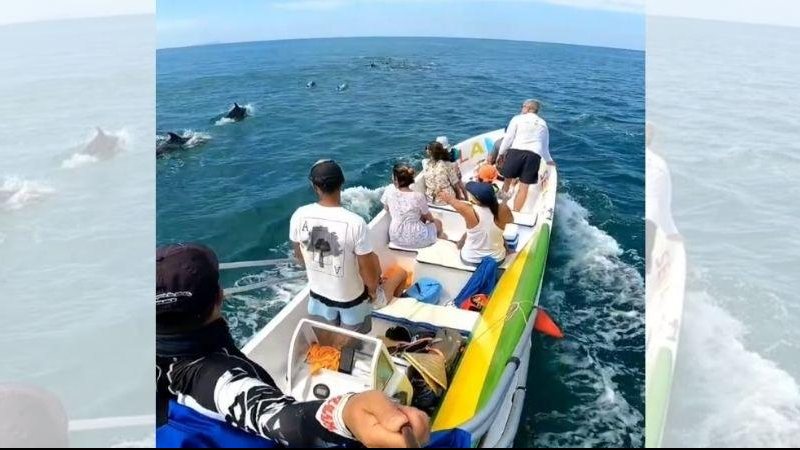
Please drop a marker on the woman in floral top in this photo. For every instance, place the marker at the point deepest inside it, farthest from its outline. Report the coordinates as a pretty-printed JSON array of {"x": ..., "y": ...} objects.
[
  {"x": 412, "y": 224},
  {"x": 441, "y": 176}
]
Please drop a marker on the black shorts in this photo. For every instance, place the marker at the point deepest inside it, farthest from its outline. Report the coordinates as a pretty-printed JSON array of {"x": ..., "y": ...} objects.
[{"x": 522, "y": 164}]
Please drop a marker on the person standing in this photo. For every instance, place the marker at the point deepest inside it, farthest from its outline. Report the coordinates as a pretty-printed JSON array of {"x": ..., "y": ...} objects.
[
  {"x": 526, "y": 142},
  {"x": 344, "y": 273}
]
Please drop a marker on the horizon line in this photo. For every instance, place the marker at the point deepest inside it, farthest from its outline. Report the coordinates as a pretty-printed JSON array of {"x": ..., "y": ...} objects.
[
  {"x": 72, "y": 19},
  {"x": 212, "y": 44}
]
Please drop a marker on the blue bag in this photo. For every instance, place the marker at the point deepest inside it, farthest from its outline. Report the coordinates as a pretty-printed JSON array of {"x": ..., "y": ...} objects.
[{"x": 426, "y": 290}]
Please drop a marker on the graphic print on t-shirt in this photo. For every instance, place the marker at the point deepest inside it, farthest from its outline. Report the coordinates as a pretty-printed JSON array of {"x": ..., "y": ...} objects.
[{"x": 323, "y": 241}]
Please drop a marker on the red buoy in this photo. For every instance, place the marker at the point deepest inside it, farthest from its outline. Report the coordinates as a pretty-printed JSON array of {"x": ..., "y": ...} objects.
[{"x": 546, "y": 325}]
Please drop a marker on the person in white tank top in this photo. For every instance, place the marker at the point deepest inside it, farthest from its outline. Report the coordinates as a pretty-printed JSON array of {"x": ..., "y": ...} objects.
[{"x": 485, "y": 219}]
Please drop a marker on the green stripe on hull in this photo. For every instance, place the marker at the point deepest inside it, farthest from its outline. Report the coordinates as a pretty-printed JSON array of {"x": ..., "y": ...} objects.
[
  {"x": 657, "y": 399},
  {"x": 525, "y": 296}
]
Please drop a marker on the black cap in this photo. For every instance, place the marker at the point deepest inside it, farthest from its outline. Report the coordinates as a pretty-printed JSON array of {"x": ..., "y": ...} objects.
[
  {"x": 187, "y": 286},
  {"x": 327, "y": 175},
  {"x": 483, "y": 192}
]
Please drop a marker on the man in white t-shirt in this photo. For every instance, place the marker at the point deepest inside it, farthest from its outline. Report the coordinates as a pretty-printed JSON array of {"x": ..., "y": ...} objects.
[
  {"x": 527, "y": 141},
  {"x": 344, "y": 274},
  {"x": 658, "y": 197}
]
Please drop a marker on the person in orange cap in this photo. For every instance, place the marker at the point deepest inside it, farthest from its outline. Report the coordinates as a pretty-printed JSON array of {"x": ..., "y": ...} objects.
[{"x": 487, "y": 173}]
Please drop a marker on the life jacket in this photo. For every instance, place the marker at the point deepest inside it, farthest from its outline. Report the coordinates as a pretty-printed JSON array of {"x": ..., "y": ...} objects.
[{"x": 187, "y": 428}]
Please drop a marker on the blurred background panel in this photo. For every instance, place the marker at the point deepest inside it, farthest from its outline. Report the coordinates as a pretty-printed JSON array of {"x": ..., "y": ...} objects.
[
  {"x": 723, "y": 102},
  {"x": 77, "y": 219}
]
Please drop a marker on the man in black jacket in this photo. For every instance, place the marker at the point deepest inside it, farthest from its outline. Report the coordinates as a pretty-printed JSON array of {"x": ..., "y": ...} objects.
[{"x": 199, "y": 367}]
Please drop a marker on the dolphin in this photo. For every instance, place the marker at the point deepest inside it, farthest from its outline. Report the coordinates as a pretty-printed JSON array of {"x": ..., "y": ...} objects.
[
  {"x": 172, "y": 143},
  {"x": 102, "y": 145},
  {"x": 236, "y": 113},
  {"x": 311, "y": 84},
  {"x": 342, "y": 87}
]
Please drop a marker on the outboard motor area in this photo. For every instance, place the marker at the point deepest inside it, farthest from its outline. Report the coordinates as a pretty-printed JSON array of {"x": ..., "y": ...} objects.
[{"x": 326, "y": 361}]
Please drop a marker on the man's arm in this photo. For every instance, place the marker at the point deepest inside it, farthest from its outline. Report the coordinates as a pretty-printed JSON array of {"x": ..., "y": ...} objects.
[
  {"x": 369, "y": 266},
  {"x": 546, "y": 146},
  {"x": 508, "y": 139},
  {"x": 294, "y": 237},
  {"x": 229, "y": 386},
  {"x": 298, "y": 254},
  {"x": 463, "y": 208}
]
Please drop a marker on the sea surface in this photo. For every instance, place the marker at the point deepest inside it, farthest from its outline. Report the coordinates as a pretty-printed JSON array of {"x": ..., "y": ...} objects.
[
  {"x": 76, "y": 231},
  {"x": 237, "y": 188},
  {"x": 723, "y": 99}
]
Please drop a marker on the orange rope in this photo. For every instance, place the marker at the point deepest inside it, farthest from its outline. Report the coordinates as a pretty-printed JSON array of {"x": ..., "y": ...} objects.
[{"x": 323, "y": 357}]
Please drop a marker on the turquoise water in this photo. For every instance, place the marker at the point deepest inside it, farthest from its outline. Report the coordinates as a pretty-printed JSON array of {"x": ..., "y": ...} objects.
[{"x": 237, "y": 190}]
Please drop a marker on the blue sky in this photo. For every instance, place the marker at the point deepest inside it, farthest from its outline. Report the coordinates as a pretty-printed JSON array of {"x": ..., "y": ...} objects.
[{"x": 607, "y": 23}]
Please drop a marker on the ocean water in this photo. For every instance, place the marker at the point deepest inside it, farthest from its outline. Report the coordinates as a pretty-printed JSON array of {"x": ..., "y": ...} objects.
[
  {"x": 237, "y": 190},
  {"x": 76, "y": 230},
  {"x": 723, "y": 99}
]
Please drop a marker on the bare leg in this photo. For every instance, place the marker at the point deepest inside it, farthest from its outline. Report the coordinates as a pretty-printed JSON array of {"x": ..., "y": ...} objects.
[
  {"x": 506, "y": 184},
  {"x": 522, "y": 195},
  {"x": 439, "y": 229},
  {"x": 395, "y": 282}
]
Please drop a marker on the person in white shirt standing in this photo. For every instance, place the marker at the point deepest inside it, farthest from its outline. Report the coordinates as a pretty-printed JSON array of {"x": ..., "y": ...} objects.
[
  {"x": 527, "y": 142},
  {"x": 344, "y": 274}
]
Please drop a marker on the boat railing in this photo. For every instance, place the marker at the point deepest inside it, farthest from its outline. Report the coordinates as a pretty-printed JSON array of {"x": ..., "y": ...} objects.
[
  {"x": 479, "y": 424},
  {"x": 257, "y": 263}
]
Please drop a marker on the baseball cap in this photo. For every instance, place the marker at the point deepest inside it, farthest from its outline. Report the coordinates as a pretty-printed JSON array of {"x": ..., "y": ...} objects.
[
  {"x": 483, "y": 192},
  {"x": 444, "y": 141},
  {"x": 487, "y": 173},
  {"x": 187, "y": 286},
  {"x": 326, "y": 173}
]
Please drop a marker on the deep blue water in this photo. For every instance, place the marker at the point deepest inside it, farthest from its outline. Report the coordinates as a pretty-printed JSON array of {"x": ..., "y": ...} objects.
[{"x": 237, "y": 191}]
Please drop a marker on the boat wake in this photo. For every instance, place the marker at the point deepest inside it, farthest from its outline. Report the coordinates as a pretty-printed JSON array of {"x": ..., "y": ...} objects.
[
  {"x": 248, "y": 312},
  {"x": 725, "y": 395},
  {"x": 195, "y": 138},
  {"x": 599, "y": 299},
  {"x": 363, "y": 201},
  {"x": 16, "y": 193}
]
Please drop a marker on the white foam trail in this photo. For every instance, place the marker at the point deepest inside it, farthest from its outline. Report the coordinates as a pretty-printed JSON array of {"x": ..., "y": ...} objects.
[
  {"x": 16, "y": 192},
  {"x": 362, "y": 201},
  {"x": 611, "y": 318},
  {"x": 252, "y": 310},
  {"x": 78, "y": 160},
  {"x": 251, "y": 109},
  {"x": 196, "y": 138},
  {"x": 724, "y": 394}
]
